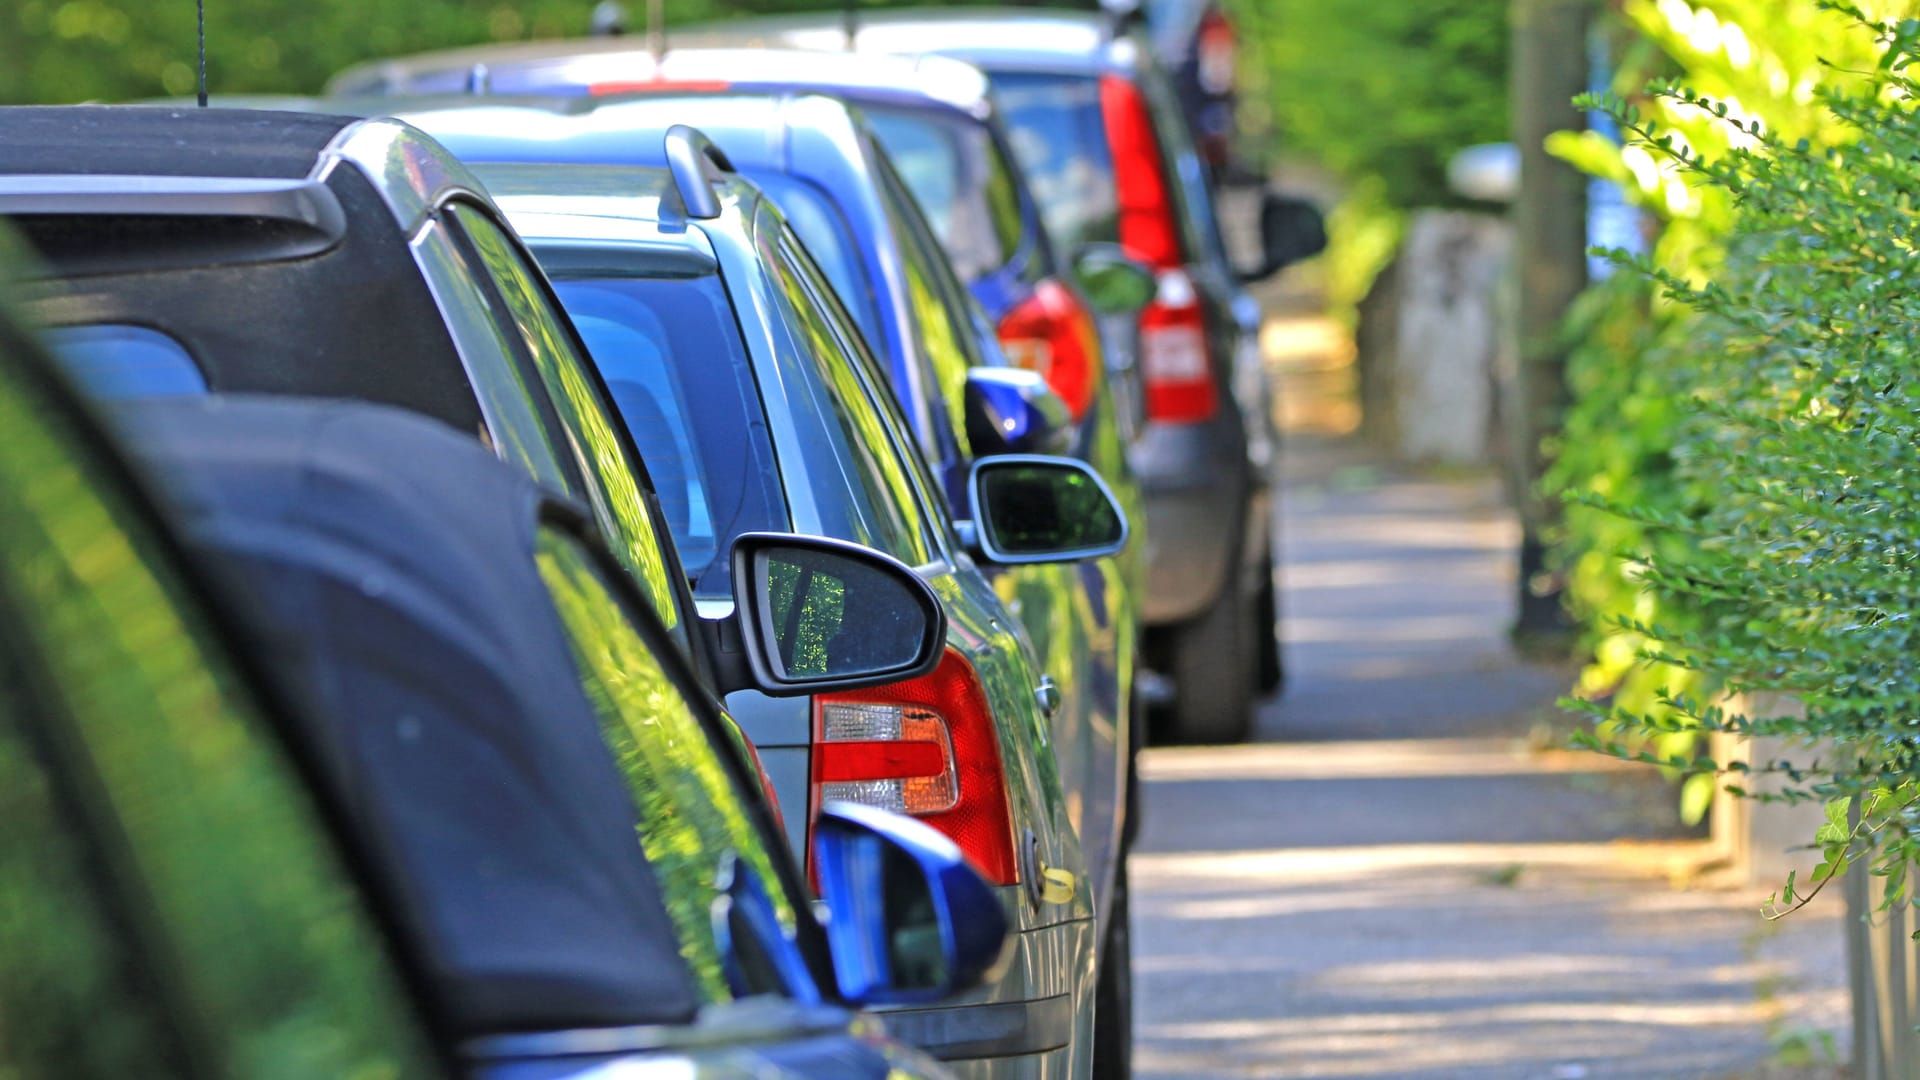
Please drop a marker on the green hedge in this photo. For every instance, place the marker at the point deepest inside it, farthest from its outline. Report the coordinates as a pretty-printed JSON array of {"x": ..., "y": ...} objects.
[{"x": 1778, "y": 513}]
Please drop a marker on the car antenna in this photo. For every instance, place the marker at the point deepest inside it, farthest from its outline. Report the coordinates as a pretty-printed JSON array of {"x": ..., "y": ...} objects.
[
  {"x": 850, "y": 15},
  {"x": 200, "y": 11},
  {"x": 657, "y": 31}
]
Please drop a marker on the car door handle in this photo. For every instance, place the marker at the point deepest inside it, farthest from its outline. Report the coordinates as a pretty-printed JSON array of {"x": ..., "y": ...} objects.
[{"x": 1048, "y": 695}]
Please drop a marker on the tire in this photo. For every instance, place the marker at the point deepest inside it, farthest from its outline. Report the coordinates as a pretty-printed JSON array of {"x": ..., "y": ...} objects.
[
  {"x": 1266, "y": 631},
  {"x": 1113, "y": 997},
  {"x": 1213, "y": 661}
]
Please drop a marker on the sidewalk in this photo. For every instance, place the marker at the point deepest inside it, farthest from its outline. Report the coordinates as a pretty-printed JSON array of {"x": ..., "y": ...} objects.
[{"x": 1397, "y": 880}]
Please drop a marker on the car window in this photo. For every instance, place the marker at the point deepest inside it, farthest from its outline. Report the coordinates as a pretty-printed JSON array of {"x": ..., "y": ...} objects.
[
  {"x": 858, "y": 447},
  {"x": 584, "y": 414},
  {"x": 671, "y": 354},
  {"x": 939, "y": 306},
  {"x": 191, "y": 806},
  {"x": 74, "y": 1007},
  {"x": 830, "y": 240},
  {"x": 694, "y": 814},
  {"x": 119, "y": 361},
  {"x": 517, "y": 426},
  {"x": 962, "y": 183},
  {"x": 1060, "y": 138}
]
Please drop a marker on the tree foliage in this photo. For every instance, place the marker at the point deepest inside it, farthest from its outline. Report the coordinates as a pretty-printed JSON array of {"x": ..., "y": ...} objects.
[
  {"x": 1784, "y": 524},
  {"x": 54, "y": 51}
]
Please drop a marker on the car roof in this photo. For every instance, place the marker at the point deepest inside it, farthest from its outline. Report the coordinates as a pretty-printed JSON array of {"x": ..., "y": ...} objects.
[
  {"x": 614, "y": 64},
  {"x": 390, "y": 570},
  {"x": 992, "y": 38},
  {"x": 123, "y": 140}
]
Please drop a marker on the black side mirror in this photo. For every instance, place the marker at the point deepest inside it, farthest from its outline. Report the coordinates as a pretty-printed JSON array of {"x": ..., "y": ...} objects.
[
  {"x": 1012, "y": 410},
  {"x": 813, "y": 615},
  {"x": 1291, "y": 229},
  {"x": 1032, "y": 509},
  {"x": 1114, "y": 282}
]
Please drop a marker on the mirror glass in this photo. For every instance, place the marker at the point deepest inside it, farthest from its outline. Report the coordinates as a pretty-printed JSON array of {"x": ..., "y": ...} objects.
[
  {"x": 1114, "y": 283},
  {"x": 832, "y": 616},
  {"x": 916, "y": 951},
  {"x": 1032, "y": 508}
]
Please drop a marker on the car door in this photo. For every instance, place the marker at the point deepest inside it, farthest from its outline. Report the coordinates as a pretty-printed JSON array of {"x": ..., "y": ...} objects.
[
  {"x": 175, "y": 903},
  {"x": 740, "y": 910}
]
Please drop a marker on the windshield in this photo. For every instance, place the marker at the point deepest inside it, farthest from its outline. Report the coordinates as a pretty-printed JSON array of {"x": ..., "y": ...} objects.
[
  {"x": 1059, "y": 136},
  {"x": 672, "y": 356}
]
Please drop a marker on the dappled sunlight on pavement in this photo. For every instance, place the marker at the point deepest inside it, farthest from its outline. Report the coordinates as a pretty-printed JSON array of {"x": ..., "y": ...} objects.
[{"x": 1405, "y": 877}]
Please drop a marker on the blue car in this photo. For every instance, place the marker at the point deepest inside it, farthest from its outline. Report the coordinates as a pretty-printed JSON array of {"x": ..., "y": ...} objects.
[
  {"x": 759, "y": 407},
  {"x": 375, "y": 847},
  {"x": 820, "y": 162}
]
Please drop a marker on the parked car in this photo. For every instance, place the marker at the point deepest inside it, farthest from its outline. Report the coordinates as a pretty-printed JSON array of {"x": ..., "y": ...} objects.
[
  {"x": 719, "y": 334},
  {"x": 1198, "y": 46},
  {"x": 496, "y": 709},
  {"x": 818, "y": 160},
  {"x": 937, "y": 123},
  {"x": 1100, "y": 135},
  {"x": 187, "y": 252},
  {"x": 187, "y": 896}
]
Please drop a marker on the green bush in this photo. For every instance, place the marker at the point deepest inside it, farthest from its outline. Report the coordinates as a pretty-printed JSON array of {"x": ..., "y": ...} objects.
[
  {"x": 1638, "y": 357},
  {"x": 56, "y": 51},
  {"x": 1779, "y": 514}
]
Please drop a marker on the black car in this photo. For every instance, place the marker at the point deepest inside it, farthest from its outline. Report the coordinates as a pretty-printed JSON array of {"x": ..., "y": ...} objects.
[{"x": 239, "y": 251}]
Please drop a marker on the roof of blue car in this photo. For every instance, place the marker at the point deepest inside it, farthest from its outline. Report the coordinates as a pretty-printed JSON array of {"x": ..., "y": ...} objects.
[
  {"x": 989, "y": 37},
  {"x": 601, "y": 65},
  {"x": 389, "y": 569}
]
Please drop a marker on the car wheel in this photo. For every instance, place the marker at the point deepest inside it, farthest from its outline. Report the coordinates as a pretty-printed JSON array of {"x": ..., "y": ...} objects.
[
  {"x": 1213, "y": 662},
  {"x": 1137, "y": 709},
  {"x": 1113, "y": 998},
  {"x": 1266, "y": 631}
]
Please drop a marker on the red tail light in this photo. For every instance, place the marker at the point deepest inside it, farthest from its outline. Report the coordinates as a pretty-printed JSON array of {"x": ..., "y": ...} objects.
[
  {"x": 925, "y": 747},
  {"x": 1176, "y": 366},
  {"x": 1052, "y": 333},
  {"x": 1214, "y": 49},
  {"x": 1176, "y": 369}
]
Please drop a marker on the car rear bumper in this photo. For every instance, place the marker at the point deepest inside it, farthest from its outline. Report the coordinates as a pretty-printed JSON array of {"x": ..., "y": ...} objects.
[
  {"x": 1197, "y": 487},
  {"x": 1031, "y": 1022}
]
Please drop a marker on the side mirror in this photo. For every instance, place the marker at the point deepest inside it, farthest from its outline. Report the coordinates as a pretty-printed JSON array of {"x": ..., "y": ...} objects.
[
  {"x": 1291, "y": 229},
  {"x": 1115, "y": 283},
  {"x": 909, "y": 921},
  {"x": 1013, "y": 411},
  {"x": 1032, "y": 509},
  {"x": 813, "y": 615}
]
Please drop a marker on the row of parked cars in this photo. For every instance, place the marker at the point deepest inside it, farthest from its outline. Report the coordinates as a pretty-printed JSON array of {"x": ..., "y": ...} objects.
[{"x": 794, "y": 447}]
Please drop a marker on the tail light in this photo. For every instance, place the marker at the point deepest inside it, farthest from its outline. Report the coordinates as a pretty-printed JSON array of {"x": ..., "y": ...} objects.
[
  {"x": 926, "y": 747},
  {"x": 1052, "y": 333},
  {"x": 1214, "y": 50},
  {"x": 1176, "y": 364}
]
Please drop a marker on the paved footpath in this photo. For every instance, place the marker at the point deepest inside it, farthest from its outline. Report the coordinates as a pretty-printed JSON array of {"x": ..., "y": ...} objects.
[{"x": 1397, "y": 881}]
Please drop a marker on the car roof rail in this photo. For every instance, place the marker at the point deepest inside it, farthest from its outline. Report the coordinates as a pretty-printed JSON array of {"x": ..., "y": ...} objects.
[
  {"x": 306, "y": 216},
  {"x": 697, "y": 164}
]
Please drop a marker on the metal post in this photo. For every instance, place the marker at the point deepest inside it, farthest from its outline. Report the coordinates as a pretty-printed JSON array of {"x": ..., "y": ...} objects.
[{"x": 1549, "y": 69}]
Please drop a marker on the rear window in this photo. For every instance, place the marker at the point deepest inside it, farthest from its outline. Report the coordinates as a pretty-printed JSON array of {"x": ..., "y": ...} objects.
[
  {"x": 1061, "y": 141},
  {"x": 117, "y": 361},
  {"x": 963, "y": 185},
  {"x": 672, "y": 356}
]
